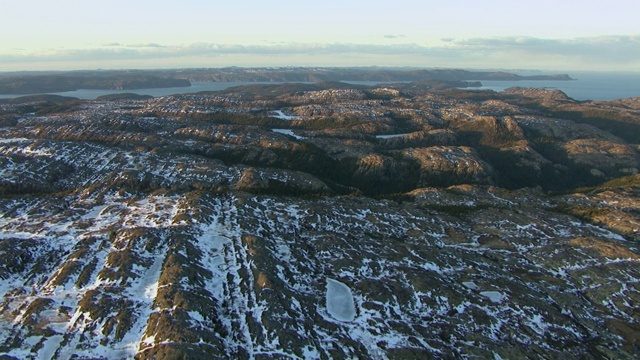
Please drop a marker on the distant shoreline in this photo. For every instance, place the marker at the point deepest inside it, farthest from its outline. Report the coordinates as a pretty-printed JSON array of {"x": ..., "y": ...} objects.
[
  {"x": 588, "y": 85},
  {"x": 58, "y": 82}
]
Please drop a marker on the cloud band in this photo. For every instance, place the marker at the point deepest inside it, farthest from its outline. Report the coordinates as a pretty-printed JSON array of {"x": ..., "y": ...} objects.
[{"x": 594, "y": 52}]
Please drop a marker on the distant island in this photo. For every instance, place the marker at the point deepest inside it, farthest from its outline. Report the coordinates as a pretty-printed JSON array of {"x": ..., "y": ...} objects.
[
  {"x": 38, "y": 83},
  {"x": 52, "y": 82},
  {"x": 320, "y": 74}
]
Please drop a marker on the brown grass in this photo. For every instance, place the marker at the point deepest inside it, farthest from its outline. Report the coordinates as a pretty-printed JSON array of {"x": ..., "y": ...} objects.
[{"x": 605, "y": 248}]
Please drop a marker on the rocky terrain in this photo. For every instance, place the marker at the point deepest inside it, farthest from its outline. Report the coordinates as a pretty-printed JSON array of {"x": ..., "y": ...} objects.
[{"x": 320, "y": 221}]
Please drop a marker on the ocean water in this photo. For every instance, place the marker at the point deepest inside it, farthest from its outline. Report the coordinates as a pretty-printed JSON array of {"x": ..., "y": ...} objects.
[
  {"x": 155, "y": 92},
  {"x": 587, "y": 86}
]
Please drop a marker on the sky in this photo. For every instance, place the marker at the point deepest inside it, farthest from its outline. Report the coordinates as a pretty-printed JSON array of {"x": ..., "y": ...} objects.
[{"x": 471, "y": 34}]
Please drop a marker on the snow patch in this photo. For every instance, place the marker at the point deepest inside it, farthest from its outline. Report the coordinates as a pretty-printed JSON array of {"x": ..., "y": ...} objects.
[
  {"x": 536, "y": 322},
  {"x": 50, "y": 346}
]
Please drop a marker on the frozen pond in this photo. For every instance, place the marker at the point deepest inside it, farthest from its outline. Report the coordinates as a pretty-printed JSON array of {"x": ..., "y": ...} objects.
[
  {"x": 287, "y": 132},
  {"x": 12, "y": 140},
  {"x": 390, "y": 136},
  {"x": 471, "y": 285},
  {"x": 494, "y": 296},
  {"x": 281, "y": 115},
  {"x": 340, "y": 303}
]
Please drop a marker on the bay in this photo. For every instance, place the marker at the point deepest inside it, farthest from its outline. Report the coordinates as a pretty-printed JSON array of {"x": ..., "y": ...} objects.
[
  {"x": 90, "y": 94},
  {"x": 604, "y": 86}
]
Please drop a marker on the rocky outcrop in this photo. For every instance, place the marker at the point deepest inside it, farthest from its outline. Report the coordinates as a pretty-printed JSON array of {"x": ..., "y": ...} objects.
[
  {"x": 614, "y": 205},
  {"x": 375, "y": 174},
  {"x": 270, "y": 181},
  {"x": 441, "y": 165},
  {"x": 584, "y": 150},
  {"x": 490, "y": 131},
  {"x": 562, "y": 130},
  {"x": 436, "y": 137},
  {"x": 604, "y": 157},
  {"x": 547, "y": 97}
]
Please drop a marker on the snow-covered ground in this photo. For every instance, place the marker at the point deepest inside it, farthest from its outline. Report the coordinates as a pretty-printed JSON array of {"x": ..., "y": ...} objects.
[{"x": 256, "y": 276}]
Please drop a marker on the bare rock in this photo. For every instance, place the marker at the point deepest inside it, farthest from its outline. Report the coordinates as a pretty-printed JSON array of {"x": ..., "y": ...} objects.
[
  {"x": 450, "y": 164},
  {"x": 611, "y": 158},
  {"x": 274, "y": 181}
]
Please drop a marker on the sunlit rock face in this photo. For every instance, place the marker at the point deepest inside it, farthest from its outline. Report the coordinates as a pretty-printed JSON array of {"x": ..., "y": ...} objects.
[
  {"x": 446, "y": 165},
  {"x": 185, "y": 227}
]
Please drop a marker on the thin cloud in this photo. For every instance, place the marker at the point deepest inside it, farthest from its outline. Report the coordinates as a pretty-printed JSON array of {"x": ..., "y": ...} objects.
[
  {"x": 616, "y": 49},
  {"x": 210, "y": 49},
  {"x": 552, "y": 45},
  {"x": 610, "y": 52},
  {"x": 391, "y": 36},
  {"x": 149, "y": 45}
]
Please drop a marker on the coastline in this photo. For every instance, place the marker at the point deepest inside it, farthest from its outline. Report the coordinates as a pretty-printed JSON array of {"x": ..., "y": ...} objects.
[{"x": 596, "y": 86}]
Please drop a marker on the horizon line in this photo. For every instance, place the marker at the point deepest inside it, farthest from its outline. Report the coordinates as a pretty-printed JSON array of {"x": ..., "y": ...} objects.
[{"x": 355, "y": 67}]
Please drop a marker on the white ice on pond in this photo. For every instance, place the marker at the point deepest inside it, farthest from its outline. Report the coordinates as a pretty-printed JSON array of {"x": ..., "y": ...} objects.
[
  {"x": 494, "y": 296},
  {"x": 281, "y": 115},
  {"x": 12, "y": 140},
  {"x": 471, "y": 285},
  {"x": 340, "y": 301},
  {"x": 288, "y": 132},
  {"x": 390, "y": 136}
]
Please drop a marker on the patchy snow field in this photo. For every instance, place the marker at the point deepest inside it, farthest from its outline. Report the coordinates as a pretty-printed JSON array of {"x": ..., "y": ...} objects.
[{"x": 108, "y": 271}]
